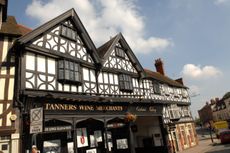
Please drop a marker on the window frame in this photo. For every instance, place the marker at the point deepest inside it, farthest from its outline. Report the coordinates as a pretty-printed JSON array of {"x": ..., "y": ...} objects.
[
  {"x": 119, "y": 52},
  {"x": 69, "y": 70},
  {"x": 68, "y": 31},
  {"x": 156, "y": 88},
  {"x": 125, "y": 79}
]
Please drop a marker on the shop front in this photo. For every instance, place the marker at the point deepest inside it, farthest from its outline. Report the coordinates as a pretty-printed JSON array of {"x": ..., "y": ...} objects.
[{"x": 99, "y": 128}]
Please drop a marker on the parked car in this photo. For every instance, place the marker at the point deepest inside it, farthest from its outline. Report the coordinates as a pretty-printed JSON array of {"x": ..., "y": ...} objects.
[{"x": 225, "y": 136}]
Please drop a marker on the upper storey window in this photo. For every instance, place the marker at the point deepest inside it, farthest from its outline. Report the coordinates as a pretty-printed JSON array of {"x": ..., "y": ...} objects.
[
  {"x": 184, "y": 93},
  {"x": 125, "y": 83},
  {"x": 119, "y": 52},
  {"x": 156, "y": 88},
  {"x": 68, "y": 32},
  {"x": 69, "y": 72}
]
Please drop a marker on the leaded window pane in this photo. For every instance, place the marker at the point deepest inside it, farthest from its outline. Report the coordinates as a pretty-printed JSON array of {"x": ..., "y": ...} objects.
[
  {"x": 71, "y": 66},
  {"x": 119, "y": 52},
  {"x": 61, "y": 74},
  {"x": 64, "y": 31},
  {"x": 69, "y": 72},
  {"x": 73, "y": 35},
  {"x": 67, "y": 65},
  {"x": 125, "y": 83},
  {"x": 156, "y": 88},
  {"x": 72, "y": 75},
  {"x": 68, "y": 32}
]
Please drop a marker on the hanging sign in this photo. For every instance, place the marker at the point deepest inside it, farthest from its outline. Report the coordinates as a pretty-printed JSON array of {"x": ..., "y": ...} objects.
[
  {"x": 82, "y": 139},
  {"x": 36, "y": 120}
]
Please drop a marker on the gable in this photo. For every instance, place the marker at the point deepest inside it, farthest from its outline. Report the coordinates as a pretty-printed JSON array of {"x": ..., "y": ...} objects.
[
  {"x": 64, "y": 39},
  {"x": 118, "y": 59},
  {"x": 63, "y": 36}
]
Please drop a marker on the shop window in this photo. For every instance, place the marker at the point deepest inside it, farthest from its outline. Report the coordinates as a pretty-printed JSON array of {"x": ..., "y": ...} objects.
[
  {"x": 69, "y": 72},
  {"x": 119, "y": 52},
  {"x": 68, "y": 33},
  {"x": 125, "y": 83}
]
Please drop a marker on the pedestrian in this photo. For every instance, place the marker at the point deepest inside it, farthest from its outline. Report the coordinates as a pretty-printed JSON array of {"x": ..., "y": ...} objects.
[{"x": 34, "y": 149}]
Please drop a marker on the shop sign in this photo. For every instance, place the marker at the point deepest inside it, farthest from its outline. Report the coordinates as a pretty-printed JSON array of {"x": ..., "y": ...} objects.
[
  {"x": 146, "y": 109},
  {"x": 57, "y": 128},
  {"x": 115, "y": 125},
  {"x": 36, "y": 120},
  {"x": 74, "y": 107}
]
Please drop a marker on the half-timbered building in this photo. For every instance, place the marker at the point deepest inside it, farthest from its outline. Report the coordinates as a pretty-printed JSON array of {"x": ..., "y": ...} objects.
[
  {"x": 82, "y": 99},
  {"x": 9, "y": 124}
]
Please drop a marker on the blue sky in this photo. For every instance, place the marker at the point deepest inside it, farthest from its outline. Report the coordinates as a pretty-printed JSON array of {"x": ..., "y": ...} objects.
[{"x": 191, "y": 36}]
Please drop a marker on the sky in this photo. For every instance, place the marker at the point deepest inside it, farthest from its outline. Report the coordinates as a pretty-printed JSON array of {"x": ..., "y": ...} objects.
[{"x": 190, "y": 36}]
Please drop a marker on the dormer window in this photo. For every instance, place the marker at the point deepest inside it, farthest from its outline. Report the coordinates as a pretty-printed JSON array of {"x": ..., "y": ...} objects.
[
  {"x": 119, "y": 52},
  {"x": 68, "y": 33},
  {"x": 69, "y": 72},
  {"x": 125, "y": 83}
]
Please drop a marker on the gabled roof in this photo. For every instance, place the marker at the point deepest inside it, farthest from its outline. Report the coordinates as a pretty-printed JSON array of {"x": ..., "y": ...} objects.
[
  {"x": 10, "y": 27},
  {"x": 159, "y": 77},
  {"x": 105, "y": 50},
  {"x": 70, "y": 14}
]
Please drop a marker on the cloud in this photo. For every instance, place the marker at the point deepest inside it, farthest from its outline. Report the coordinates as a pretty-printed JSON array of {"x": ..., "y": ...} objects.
[
  {"x": 102, "y": 19},
  {"x": 218, "y": 2},
  {"x": 197, "y": 72}
]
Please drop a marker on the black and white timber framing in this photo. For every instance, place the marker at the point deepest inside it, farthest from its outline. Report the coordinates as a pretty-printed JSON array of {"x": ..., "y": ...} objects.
[{"x": 59, "y": 61}]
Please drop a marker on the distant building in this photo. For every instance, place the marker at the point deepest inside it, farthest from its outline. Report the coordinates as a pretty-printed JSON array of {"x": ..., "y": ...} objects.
[
  {"x": 206, "y": 113},
  {"x": 216, "y": 110},
  {"x": 221, "y": 110}
]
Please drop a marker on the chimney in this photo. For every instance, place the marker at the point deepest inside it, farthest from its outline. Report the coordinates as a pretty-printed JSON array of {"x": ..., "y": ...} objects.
[
  {"x": 217, "y": 99},
  {"x": 180, "y": 80},
  {"x": 212, "y": 101},
  {"x": 3, "y": 11},
  {"x": 159, "y": 66}
]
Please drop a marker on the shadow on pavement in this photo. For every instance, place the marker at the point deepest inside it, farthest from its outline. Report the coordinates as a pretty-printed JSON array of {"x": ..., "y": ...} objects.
[{"x": 219, "y": 151}]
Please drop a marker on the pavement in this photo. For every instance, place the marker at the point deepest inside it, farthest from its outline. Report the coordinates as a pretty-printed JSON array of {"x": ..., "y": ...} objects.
[{"x": 204, "y": 146}]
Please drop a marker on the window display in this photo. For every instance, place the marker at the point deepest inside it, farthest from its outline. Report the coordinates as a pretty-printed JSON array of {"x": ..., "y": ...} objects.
[
  {"x": 98, "y": 136},
  {"x": 82, "y": 139},
  {"x": 52, "y": 146},
  {"x": 91, "y": 151},
  {"x": 122, "y": 144},
  {"x": 70, "y": 147},
  {"x": 93, "y": 142}
]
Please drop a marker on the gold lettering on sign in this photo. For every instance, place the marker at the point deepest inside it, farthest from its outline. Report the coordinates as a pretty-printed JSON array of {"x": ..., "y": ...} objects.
[
  {"x": 70, "y": 107},
  {"x": 60, "y": 107},
  {"x": 86, "y": 107},
  {"x": 141, "y": 109},
  {"x": 152, "y": 109}
]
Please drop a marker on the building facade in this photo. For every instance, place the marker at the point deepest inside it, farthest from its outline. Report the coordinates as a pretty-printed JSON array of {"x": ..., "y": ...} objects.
[
  {"x": 221, "y": 111},
  {"x": 206, "y": 113},
  {"x": 74, "y": 97},
  {"x": 9, "y": 123}
]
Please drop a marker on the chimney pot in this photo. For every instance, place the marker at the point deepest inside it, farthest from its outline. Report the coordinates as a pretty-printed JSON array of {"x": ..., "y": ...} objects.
[{"x": 159, "y": 66}]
